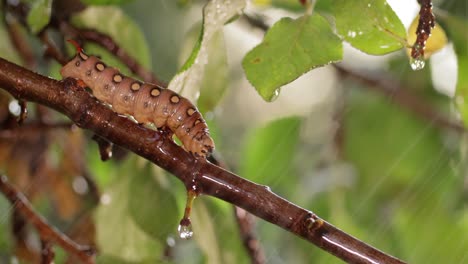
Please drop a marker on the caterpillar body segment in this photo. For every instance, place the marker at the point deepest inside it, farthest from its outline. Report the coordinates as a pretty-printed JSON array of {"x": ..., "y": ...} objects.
[{"x": 146, "y": 102}]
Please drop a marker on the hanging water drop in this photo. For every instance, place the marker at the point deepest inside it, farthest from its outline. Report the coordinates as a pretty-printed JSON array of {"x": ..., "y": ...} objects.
[
  {"x": 417, "y": 63},
  {"x": 185, "y": 229},
  {"x": 185, "y": 225}
]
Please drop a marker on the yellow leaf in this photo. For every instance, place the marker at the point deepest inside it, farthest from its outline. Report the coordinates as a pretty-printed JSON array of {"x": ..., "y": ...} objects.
[
  {"x": 436, "y": 41},
  {"x": 262, "y": 2}
]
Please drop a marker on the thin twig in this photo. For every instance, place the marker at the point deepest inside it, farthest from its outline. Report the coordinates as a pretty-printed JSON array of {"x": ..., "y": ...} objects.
[
  {"x": 51, "y": 49},
  {"x": 83, "y": 109},
  {"x": 105, "y": 147},
  {"x": 404, "y": 97},
  {"x": 425, "y": 24},
  {"x": 47, "y": 252},
  {"x": 23, "y": 111},
  {"x": 46, "y": 232},
  {"x": 246, "y": 223},
  {"x": 108, "y": 43}
]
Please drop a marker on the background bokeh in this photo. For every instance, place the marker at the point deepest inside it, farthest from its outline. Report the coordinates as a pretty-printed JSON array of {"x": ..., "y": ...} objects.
[{"x": 354, "y": 156}]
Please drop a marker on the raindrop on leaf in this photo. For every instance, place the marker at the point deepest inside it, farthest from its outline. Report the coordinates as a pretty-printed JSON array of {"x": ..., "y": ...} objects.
[{"x": 275, "y": 95}]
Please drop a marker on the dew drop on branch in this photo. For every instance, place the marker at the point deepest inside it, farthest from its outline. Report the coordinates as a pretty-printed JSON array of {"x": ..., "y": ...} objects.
[
  {"x": 417, "y": 64},
  {"x": 185, "y": 229},
  {"x": 185, "y": 226}
]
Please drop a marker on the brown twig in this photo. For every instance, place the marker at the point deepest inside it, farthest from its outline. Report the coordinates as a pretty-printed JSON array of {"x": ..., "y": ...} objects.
[
  {"x": 105, "y": 147},
  {"x": 51, "y": 49},
  {"x": 245, "y": 221},
  {"x": 47, "y": 252},
  {"x": 46, "y": 232},
  {"x": 423, "y": 32},
  {"x": 23, "y": 111},
  {"x": 86, "y": 112},
  {"x": 108, "y": 43},
  {"x": 404, "y": 97}
]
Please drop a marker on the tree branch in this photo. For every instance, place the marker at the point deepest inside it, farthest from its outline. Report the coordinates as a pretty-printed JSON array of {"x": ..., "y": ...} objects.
[
  {"x": 46, "y": 232},
  {"x": 88, "y": 113},
  {"x": 404, "y": 97}
]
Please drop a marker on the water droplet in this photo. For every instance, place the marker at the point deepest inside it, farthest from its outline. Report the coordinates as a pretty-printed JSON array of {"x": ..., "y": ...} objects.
[
  {"x": 14, "y": 107},
  {"x": 185, "y": 229},
  {"x": 417, "y": 64},
  {"x": 275, "y": 95},
  {"x": 351, "y": 34}
]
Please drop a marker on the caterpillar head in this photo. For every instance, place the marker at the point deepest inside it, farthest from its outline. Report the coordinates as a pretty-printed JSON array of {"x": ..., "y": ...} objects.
[{"x": 203, "y": 144}]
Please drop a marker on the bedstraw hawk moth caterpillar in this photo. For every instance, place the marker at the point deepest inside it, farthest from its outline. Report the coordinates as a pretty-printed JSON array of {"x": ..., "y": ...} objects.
[{"x": 147, "y": 103}]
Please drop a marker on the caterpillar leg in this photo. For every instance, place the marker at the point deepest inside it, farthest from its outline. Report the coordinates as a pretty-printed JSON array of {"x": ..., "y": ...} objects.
[
  {"x": 167, "y": 132},
  {"x": 74, "y": 83}
]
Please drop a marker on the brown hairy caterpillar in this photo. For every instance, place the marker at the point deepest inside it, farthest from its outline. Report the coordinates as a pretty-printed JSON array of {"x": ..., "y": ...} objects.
[{"x": 146, "y": 102}]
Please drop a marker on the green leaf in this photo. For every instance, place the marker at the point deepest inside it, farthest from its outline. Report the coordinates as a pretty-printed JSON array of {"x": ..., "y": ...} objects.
[
  {"x": 267, "y": 157},
  {"x": 153, "y": 207},
  {"x": 39, "y": 15},
  {"x": 117, "y": 233},
  {"x": 106, "y": 2},
  {"x": 369, "y": 25},
  {"x": 215, "y": 14},
  {"x": 114, "y": 22},
  {"x": 215, "y": 77},
  {"x": 290, "y": 48},
  {"x": 294, "y": 5},
  {"x": 458, "y": 34}
]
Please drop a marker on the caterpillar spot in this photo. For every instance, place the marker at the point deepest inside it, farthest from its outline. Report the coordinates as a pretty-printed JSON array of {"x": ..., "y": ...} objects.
[
  {"x": 155, "y": 92},
  {"x": 88, "y": 73},
  {"x": 175, "y": 99},
  {"x": 77, "y": 63},
  {"x": 146, "y": 104},
  {"x": 190, "y": 111},
  {"x": 135, "y": 86},
  {"x": 100, "y": 66},
  {"x": 117, "y": 78}
]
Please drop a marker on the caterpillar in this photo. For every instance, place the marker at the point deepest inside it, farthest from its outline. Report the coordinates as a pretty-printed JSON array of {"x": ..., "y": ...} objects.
[{"x": 147, "y": 103}]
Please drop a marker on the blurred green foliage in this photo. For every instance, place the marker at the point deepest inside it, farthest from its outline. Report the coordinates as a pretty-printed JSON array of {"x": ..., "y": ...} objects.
[
  {"x": 39, "y": 15},
  {"x": 407, "y": 194}
]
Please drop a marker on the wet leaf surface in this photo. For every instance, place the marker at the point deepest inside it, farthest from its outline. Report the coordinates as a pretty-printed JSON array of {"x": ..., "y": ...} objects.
[{"x": 288, "y": 50}]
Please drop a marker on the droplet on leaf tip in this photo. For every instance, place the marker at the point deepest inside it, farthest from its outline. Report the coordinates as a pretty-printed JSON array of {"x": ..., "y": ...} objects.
[{"x": 275, "y": 95}]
